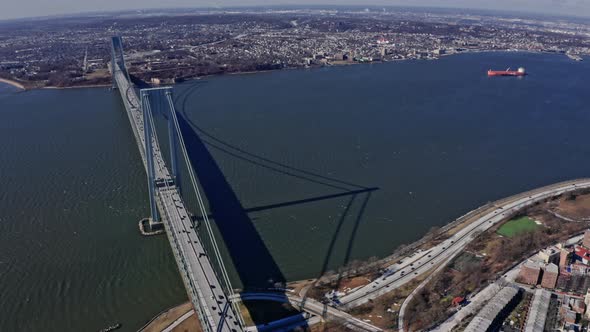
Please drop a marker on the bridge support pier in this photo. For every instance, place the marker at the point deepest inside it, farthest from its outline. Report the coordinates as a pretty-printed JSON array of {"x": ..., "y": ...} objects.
[
  {"x": 149, "y": 228},
  {"x": 149, "y": 155}
]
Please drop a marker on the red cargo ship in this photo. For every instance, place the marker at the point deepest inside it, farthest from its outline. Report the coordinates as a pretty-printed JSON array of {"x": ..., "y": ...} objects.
[{"x": 507, "y": 72}]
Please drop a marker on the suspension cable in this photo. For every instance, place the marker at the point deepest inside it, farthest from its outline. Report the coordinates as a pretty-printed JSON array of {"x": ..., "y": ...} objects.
[{"x": 202, "y": 207}]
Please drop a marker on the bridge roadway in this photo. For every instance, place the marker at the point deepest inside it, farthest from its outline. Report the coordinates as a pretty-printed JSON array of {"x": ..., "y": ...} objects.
[
  {"x": 424, "y": 262},
  {"x": 202, "y": 284}
]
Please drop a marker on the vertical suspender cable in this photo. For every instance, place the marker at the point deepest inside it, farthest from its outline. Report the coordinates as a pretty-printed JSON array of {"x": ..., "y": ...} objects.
[
  {"x": 200, "y": 201},
  {"x": 202, "y": 316},
  {"x": 202, "y": 208}
]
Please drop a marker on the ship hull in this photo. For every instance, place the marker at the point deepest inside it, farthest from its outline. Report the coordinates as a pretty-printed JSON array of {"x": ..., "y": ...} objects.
[{"x": 505, "y": 73}]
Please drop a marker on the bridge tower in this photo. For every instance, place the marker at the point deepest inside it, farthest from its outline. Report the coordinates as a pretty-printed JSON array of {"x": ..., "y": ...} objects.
[
  {"x": 113, "y": 57},
  {"x": 162, "y": 96},
  {"x": 152, "y": 97},
  {"x": 117, "y": 59}
]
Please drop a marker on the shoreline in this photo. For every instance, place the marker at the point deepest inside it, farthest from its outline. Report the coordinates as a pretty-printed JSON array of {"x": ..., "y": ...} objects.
[
  {"x": 13, "y": 83},
  {"x": 89, "y": 86},
  {"x": 165, "y": 318},
  {"x": 299, "y": 286},
  {"x": 426, "y": 241},
  {"x": 346, "y": 63},
  {"x": 339, "y": 64}
]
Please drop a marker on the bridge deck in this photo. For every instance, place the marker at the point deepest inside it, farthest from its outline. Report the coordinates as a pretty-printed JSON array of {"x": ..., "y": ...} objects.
[{"x": 203, "y": 286}]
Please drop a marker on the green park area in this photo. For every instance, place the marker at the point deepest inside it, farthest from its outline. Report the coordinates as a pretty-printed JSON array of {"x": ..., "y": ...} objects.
[{"x": 517, "y": 226}]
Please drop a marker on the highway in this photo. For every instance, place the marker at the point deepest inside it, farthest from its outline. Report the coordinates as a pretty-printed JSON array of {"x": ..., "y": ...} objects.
[
  {"x": 313, "y": 307},
  {"x": 178, "y": 321},
  {"x": 425, "y": 261},
  {"x": 203, "y": 286}
]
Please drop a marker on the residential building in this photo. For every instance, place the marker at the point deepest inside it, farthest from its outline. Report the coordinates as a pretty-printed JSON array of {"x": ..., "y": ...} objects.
[
  {"x": 550, "y": 275},
  {"x": 530, "y": 272}
]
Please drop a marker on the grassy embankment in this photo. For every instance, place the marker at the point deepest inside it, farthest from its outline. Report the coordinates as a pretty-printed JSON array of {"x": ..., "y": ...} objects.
[
  {"x": 517, "y": 226},
  {"x": 492, "y": 253}
]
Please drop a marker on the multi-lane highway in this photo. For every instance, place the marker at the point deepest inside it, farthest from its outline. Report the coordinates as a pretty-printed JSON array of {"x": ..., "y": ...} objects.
[
  {"x": 424, "y": 261},
  {"x": 313, "y": 307}
]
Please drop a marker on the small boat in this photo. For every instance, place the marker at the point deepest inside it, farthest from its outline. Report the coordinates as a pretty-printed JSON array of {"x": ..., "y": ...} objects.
[
  {"x": 574, "y": 57},
  {"x": 111, "y": 328}
]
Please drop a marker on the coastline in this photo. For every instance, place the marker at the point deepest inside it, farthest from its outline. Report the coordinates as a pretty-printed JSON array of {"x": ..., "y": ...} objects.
[
  {"x": 77, "y": 86},
  {"x": 427, "y": 240},
  {"x": 13, "y": 83},
  {"x": 300, "y": 287},
  {"x": 347, "y": 63},
  {"x": 337, "y": 64}
]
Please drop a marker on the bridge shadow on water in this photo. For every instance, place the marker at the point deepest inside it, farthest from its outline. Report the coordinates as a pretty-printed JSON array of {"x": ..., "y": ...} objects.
[
  {"x": 251, "y": 258},
  {"x": 249, "y": 254}
]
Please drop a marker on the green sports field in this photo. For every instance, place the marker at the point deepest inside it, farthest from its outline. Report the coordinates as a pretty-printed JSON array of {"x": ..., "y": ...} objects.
[{"x": 517, "y": 226}]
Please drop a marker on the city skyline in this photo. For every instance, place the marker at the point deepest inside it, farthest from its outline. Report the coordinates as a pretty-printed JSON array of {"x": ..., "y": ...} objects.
[{"x": 37, "y": 8}]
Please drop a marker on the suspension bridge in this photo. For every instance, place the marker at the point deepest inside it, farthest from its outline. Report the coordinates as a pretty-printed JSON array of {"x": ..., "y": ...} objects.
[
  {"x": 209, "y": 292},
  {"x": 208, "y": 285}
]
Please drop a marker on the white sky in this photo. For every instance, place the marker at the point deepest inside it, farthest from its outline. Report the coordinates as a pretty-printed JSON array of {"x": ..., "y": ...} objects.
[{"x": 28, "y": 8}]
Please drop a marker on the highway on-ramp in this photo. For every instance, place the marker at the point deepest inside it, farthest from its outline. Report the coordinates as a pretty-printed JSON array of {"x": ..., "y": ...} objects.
[{"x": 313, "y": 307}]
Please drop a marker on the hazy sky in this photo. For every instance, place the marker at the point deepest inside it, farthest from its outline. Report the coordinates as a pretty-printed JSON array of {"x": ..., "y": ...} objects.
[{"x": 28, "y": 8}]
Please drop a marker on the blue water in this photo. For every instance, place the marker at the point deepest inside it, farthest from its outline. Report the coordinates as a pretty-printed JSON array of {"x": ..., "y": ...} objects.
[
  {"x": 436, "y": 139},
  {"x": 73, "y": 191}
]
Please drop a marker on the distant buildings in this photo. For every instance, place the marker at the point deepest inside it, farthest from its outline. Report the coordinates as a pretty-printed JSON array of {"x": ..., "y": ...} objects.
[
  {"x": 382, "y": 41},
  {"x": 530, "y": 272},
  {"x": 586, "y": 239},
  {"x": 542, "y": 270},
  {"x": 193, "y": 45},
  {"x": 550, "y": 255},
  {"x": 587, "y": 302},
  {"x": 571, "y": 310},
  {"x": 494, "y": 312},
  {"x": 582, "y": 254},
  {"x": 550, "y": 275},
  {"x": 534, "y": 272},
  {"x": 564, "y": 257},
  {"x": 564, "y": 272},
  {"x": 537, "y": 314}
]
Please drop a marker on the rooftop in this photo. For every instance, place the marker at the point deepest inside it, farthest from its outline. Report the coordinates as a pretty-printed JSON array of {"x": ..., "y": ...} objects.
[
  {"x": 486, "y": 316},
  {"x": 538, "y": 311}
]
